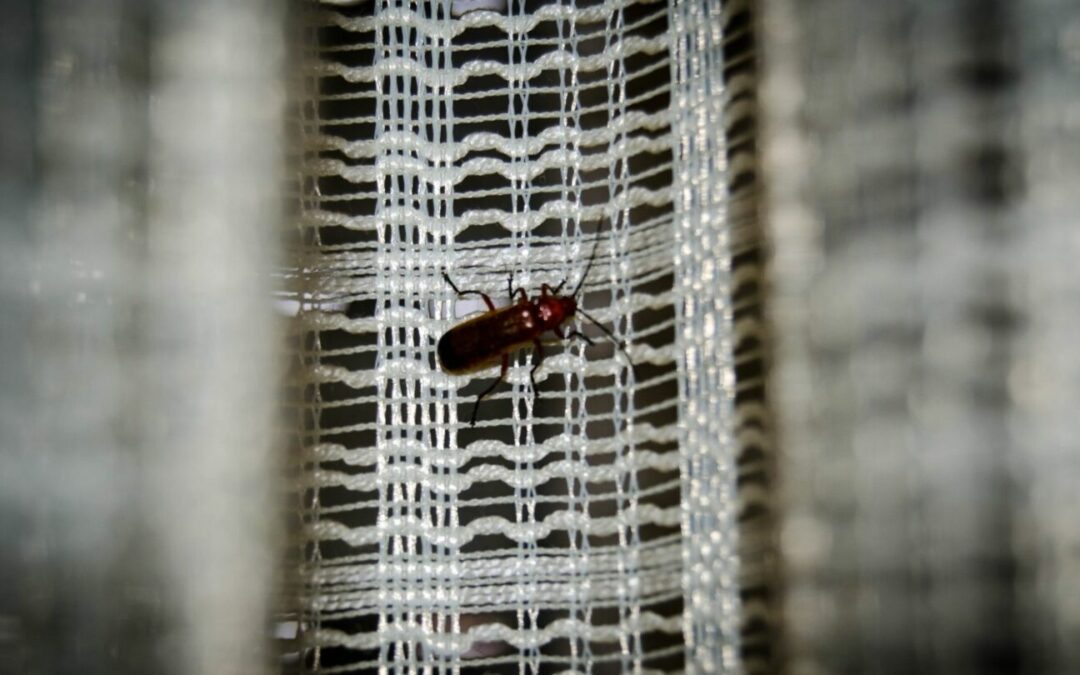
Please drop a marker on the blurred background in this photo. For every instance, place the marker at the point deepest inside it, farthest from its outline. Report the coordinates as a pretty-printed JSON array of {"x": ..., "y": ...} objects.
[{"x": 841, "y": 249}]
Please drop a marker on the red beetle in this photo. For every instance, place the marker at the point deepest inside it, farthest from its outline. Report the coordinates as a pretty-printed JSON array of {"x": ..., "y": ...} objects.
[{"x": 481, "y": 341}]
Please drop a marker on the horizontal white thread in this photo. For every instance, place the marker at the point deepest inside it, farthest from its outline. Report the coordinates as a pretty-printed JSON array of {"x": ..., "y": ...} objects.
[
  {"x": 455, "y": 644},
  {"x": 564, "y": 134},
  {"x": 443, "y": 176},
  {"x": 402, "y": 17},
  {"x": 646, "y": 74},
  {"x": 557, "y": 597},
  {"x": 651, "y": 545},
  {"x": 536, "y": 418},
  {"x": 607, "y": 492},
  {"x": 555, "y": 209},
  {"x": 316, "y": 219},
  {"x": 455, "y": 484},
  {"x": 524, "y": 454},
  {"x": 457, "y": 47},
  {"x": 645, "y": 245},
  {"x": 440, "y": 535},
  {"x": 436, "y": 78},
  {"x": 644, "y": 230},
  {"x": 496, "y": 567},
  {"x": 515, "y": 659}
]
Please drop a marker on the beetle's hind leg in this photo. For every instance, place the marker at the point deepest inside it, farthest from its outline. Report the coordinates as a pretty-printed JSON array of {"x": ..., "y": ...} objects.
[{"x": 502, "y": 376}]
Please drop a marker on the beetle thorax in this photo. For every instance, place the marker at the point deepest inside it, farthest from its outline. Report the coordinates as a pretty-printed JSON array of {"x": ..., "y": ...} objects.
[{"x": 551, "y": 311}]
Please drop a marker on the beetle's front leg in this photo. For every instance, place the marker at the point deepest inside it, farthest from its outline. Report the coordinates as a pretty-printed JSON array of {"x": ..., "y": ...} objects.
[
  {"x": 487, "y": 300},
  {"x": 511, "y": 291},
  {"x": 558, "y": 330}
]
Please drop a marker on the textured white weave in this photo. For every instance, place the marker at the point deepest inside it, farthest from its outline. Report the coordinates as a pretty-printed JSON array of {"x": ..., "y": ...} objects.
[
  {"x": 923, "y": 179},
  {"x": 140, "y": 178},
  {"x": 589, "y": 529}
]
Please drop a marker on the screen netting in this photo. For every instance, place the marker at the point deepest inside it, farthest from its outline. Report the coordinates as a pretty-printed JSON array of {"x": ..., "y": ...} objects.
[{"x": 589, "y": 527}]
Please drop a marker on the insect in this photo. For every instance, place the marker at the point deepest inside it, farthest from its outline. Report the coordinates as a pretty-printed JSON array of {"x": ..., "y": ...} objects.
[{"x": 481, "y": 341}]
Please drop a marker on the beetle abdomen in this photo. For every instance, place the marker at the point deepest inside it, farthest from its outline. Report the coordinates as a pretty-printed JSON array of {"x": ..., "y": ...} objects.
[{"x": 481, "y": 341}]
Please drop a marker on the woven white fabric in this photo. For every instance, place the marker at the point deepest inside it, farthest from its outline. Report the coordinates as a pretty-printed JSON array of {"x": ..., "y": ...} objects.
[
  {"x": 590, "y": 528},
  {"x": 923, "y": 169},
  {"x": 140, "y": 204}
]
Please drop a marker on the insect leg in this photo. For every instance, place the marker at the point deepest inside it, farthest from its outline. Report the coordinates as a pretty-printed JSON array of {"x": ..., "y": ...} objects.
[
  {"x": 502, "y": 376},
  {"x": 487, "y": 300},
  {"x": 546, "y": 290},
  {"x": 578, "y": 334},
  {"x": 538, "y": 358},
  {"x": 558, "y": 330},
  {"x": 512, "y": 291}
]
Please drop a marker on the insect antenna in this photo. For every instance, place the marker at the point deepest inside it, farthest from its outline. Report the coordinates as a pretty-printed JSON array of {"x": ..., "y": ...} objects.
[
  {"x": 611, "y": 336},
  {"x": 592, "y": 257},
  {"x": 585, "y": 275}
]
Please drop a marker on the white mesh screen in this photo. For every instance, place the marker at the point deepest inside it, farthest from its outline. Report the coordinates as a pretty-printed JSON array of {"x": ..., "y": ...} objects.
[{"x": 588, "y": 529}]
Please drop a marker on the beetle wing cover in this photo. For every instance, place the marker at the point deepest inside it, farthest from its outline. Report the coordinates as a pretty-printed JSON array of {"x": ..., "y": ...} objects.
[{"x": 477, "y": 343}]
